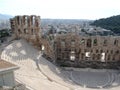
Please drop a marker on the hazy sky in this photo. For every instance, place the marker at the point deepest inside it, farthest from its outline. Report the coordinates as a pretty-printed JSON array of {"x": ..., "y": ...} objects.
[{"x": 74, "y": 9}]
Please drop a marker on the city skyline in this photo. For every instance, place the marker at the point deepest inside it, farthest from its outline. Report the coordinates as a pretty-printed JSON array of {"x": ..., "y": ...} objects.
[{"x": 62, "y": 9}]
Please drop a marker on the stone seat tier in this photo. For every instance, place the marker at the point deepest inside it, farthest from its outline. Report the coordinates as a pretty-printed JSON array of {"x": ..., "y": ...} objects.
[{"x": 92, "y": 79}]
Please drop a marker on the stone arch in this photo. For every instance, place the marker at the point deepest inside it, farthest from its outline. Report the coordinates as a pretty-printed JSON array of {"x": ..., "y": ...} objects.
[
  {"x": 95, "y": 42},
  {"x": 89, "y": 42},
  {"x": 82, "y": 41},
  {"x": 73, "y": 42},
  {"x": 116, "y": 42},
  {"x": 105, "y": 42},
  {"x": 113, "y": 58},
  {"x": 26, "y": 21},
  {"x": 109, "y": 57},
  {"x": 33, "y": 20},
  {"x": 32, "y": 31},
  {"x": 98, "y": 56},
  {"x": 25, "y": 31},
  {"x": 97, "y": 50},
  {"x": 117, "y": 52},
  {"x": 101, "y": 51},
  {"x": 19, "y": 31},
  {"x": 18, "y": 20}
]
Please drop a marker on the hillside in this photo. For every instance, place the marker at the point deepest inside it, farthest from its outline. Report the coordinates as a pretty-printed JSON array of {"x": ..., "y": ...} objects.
[{"x": 110, "y": 23}]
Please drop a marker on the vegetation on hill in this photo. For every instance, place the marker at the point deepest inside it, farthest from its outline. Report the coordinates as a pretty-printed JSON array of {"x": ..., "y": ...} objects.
[
  {"x": 4, "y": 33},
  {"x": 111, "y": 23}
]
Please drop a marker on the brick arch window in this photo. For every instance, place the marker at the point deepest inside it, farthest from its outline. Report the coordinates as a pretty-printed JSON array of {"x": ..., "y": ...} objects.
[
  {"x": 19, "y": 31},
  {"x": 33, "y": 20},
  {"x": 97, "y": 50},
  {"x": 116, "y": 42},
  {"x": 98, "y": 56},
  {"x": 117, "y": 52},
  {"x": 26, "y": 20},
  {"x": 89, "y": 42},
  {"x": 18, "y": 20},
  {"x": 25, "y": 31},
  {"x": 101, "y": 51},
  {"x": 32, "y": 31},
  {"x": 108, "y": 57},
  {"x": 95, "y": 42},
  {"x": 113, "y": 57},
  {"x": 72, "y": 42},
  {"x": 82, "y": 41}
]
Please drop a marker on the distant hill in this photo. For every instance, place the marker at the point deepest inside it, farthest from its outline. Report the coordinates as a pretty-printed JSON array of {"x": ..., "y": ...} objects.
[
  {"x": 110, "y": 23},
  {"x": 64, "y": 21},
  {"x": 5, "y": 17}
]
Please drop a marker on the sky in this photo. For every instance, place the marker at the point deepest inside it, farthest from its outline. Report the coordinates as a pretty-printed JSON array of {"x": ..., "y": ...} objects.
[{"x": 62, "y": 9}]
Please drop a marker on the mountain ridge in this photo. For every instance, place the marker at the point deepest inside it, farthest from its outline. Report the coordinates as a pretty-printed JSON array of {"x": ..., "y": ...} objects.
[{"x": 111, "y": 23}]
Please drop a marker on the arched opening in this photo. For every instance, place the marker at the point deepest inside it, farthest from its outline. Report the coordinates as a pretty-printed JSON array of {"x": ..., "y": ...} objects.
[
  {"x": 97, "y": 50},
  {"x": 108, "y": 57},
  {"x": 89, "y": 42},
  {"x": 72, "y": 42},
  {"x": 19, "y": 31},
  {"x": 103, "y": 57},
  {"x": 101, "y": 51},
  {"x": 32, "y": 31},
  {"x": 116, "y": 42},
  {"x": 18, "y": 20},
  {"x": 33, "y": 20},
  {"x": 25, "y": 31},
  {"x": 26, "y": 21},
  {"x": 82, "y": 41},
  {"x": 42, "y": 47},
  {"x": 105, "y": 42},
  {"x": 95, "y": 42},
  {"x": 117, "y": 52},
  {"x": 98, "y": 56},
  {"x": 72, "y": 56}
]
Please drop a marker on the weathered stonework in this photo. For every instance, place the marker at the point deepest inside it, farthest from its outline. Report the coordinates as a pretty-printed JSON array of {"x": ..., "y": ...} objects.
[
  {"x": 90, "y": 51},
  {"x": 69, "y": 49},
  {"x": 27, "y": 27}
]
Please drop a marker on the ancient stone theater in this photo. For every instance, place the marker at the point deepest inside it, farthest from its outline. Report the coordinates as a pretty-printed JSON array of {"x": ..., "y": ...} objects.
[{"x": 68, "y": 49}]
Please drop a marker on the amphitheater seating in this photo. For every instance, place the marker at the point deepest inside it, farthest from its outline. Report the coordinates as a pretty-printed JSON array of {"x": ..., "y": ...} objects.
[
  {"x": 96, "y": 78},
  {"x": 25, "y": 56}
]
